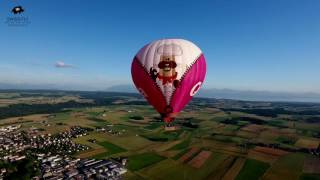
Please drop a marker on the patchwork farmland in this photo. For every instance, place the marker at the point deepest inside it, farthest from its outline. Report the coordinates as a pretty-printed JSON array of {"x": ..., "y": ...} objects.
[{"x": 216, "y": 139}]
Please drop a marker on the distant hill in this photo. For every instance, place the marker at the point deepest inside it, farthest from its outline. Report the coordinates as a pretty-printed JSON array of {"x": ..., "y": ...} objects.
[
  {"x": 26, "y": 86},
  {"x": 123, "y": 88},
  {"x": 259, "y": 95},
  {"x": 240, "y": 95},
  {"x": 210, "y": 93}
]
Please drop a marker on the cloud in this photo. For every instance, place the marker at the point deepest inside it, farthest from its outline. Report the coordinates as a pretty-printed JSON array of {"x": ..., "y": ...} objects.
[{"x": 61, "y": 64}]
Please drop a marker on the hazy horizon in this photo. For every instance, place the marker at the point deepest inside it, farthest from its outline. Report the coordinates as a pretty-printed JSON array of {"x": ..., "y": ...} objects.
[
  {"x": 224, "y": 93},
  {"x": 83, "y": 87}
]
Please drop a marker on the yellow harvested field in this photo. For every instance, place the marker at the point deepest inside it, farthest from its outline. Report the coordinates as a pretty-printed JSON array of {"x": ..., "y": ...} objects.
[
  {"x": 246, "y": 134},
  {"x": 217, "y": 146},
  {"x": 91, "y": 153},
  {"x": 167, "y": 145},
  {"x": 253, "y": 128},
  {"x": 260, "y": 156},
  {"x": 38, "y": 118},
  {"x": 308, "y": 143},
  {"x": 271, "y": 151},
  {"x": 169, "y": 154},
  {"x": 5, "y": 102},
  {"x": 43, "y": 100}
]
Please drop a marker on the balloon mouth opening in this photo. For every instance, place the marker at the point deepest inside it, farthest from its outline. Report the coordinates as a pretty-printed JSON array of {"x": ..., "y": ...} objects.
[
  {"x": 168, "y": 119},
  {"x": 169, "y": 116}
]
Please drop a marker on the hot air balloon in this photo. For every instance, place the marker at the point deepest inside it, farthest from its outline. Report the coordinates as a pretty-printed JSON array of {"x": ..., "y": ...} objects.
[{"x": 168, "y": 73}]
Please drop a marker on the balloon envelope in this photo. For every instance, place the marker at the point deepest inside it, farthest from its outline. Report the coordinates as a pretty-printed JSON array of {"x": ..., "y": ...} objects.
[{"x": 168, "y": 73}]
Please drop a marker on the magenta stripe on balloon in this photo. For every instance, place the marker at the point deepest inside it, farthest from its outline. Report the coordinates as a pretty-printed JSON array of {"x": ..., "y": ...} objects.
[{"x": 193, "y": 77}]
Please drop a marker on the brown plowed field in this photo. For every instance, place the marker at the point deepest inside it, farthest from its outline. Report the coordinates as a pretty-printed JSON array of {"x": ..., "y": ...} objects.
[
  {"x": 200, "y": 159},
  {"x": 189, "y": 154},
  {"x": 311, "y": 165}
]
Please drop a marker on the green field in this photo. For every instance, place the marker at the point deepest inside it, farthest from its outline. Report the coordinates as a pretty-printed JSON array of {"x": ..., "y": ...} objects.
[
  {"x": 140, "y": 161},
  {"x": 182, "y": 145},
  {"x": 252, "y": 169},
  {"x": 181, "y": 153},
  {"x": 111, "y": 149},
  {"x": 162, "y": 136},
  {"x": 310, "y": 176},
  {"x": 153, "y": 126},
  {"x": 170, "y": 169}
]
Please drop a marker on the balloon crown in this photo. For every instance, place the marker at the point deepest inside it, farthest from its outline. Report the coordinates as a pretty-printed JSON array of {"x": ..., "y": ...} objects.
[{"x": 170, "y": 50}]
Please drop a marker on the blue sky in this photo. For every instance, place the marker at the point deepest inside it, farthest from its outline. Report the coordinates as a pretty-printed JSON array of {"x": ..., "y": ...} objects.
[{"x": 249, "y": 44}]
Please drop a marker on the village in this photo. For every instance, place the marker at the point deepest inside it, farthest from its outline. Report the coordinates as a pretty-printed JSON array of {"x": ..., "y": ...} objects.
[{"x": 53, "y": 153}]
